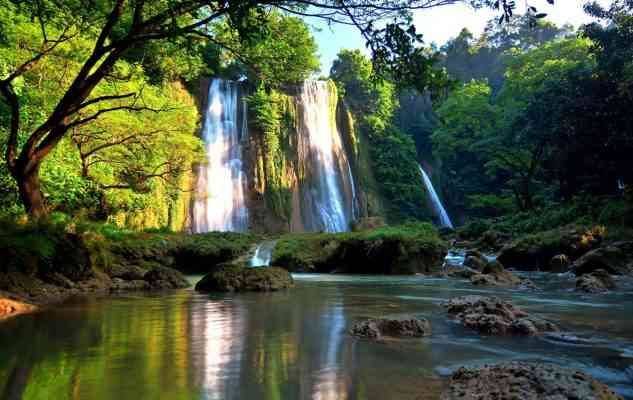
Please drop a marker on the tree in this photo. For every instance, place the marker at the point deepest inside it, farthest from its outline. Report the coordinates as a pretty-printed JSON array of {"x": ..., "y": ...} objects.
[
  {"x": 119, "y": 26},
  {"x": 283, "y": 52}
]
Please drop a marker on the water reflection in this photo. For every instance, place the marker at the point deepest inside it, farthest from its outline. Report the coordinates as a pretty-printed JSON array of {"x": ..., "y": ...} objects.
[
  {"x": 294, "y": 345},
  {"x": 217, "y": 335}
]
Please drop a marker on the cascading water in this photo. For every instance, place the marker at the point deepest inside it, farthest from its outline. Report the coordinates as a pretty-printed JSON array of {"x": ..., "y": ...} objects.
[
  {"x": 219, "y": 203},
  {"x": 328, "y": 193},
  {"x": 263, "y": 254},
  {"x": 441, "y": 213}
]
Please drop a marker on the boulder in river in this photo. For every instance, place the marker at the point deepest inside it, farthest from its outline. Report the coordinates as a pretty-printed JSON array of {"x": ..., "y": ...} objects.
[
  {"x": 378, "y": 328},
  {"x": 616, "y": 258},
  {"x": 494, "y": 274},
  {"x": 242, "y": 279},
  {"x": 475, "y": 260},
  {"x": 599, "y": 281},
  {"x": 525, "y": 381},
  {"x": 535, "y": 251},
  {"x": 493, "y": 316},
  {"x": 559, "y": 263}
]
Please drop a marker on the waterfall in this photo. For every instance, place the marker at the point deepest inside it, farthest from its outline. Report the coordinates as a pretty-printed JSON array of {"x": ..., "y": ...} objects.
[
  {"x": 219, "y": 203},
  {"x": 263, "y": 254},
  {"x": 441, "y": 213},
  {"x": 328, "y": 191}
]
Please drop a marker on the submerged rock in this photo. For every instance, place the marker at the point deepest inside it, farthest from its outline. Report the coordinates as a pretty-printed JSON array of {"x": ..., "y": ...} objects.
[
  {"x": 395, "y": 328},
  {"x": 616, "y": 259},
  {"x": 598, "y": 281},
  {"x": 525, "y": 381},
  {"x": 493, "y": 316},
  {"x": 241, "y": 279}
]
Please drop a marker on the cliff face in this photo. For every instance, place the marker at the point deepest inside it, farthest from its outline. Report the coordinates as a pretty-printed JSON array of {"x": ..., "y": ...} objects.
[{"x": 299, "y": 155}]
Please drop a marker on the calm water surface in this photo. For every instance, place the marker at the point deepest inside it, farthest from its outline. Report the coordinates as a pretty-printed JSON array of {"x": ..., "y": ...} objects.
[{"x": 293, "y": 345}]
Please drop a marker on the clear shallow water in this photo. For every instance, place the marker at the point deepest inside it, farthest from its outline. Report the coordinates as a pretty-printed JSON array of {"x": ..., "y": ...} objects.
[{"x": 293, "y": 345}]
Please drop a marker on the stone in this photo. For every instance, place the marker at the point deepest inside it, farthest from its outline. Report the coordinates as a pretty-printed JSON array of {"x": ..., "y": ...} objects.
[
  {"x": 475, "y": 260},
  {"x": 559, "y": 263},
  {"x": 493, "y": 316},
  {"x": 127, "y": 272},
  {"x": 525, "y": 381},
  {"x": 378, "y": 328},
  {"x": 241, "y": 279},
  {"x": 165, "y": 278},
  {"x": 616, "y": 259},
  {"x": 493, "y": 274},
  {"x": 119, "y": 284},
  {"x": 599, "y": 281}
]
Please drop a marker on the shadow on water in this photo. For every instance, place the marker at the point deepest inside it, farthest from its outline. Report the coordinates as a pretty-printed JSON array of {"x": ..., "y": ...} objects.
[{"x": 294, "y": 344}]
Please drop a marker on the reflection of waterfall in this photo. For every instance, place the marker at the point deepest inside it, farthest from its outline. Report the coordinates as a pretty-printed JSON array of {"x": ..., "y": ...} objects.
[
  {"x": 441, "y": 213},
  {"x": 217, "y": 333},
  {"x": 219, "y": 204},
  {"x": 328, "y": 191},
  {"x": 330, "y": 379},
  {"x": 263, "y": 254}
]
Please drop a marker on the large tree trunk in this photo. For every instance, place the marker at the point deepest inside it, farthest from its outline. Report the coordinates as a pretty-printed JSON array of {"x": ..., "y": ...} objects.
[{"x": 28, "y": 181}]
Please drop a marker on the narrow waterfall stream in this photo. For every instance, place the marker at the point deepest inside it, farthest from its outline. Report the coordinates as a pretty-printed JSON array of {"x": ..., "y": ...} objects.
[
  {"x": 263, "y": 254},
  {"x": 328, "y": 198},
  {"x": 219, "y": 203},
  {"x": 441, "y": 213}
]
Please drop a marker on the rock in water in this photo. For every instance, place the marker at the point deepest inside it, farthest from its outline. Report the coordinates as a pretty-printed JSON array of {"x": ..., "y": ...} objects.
[
  {"x": 525, "y": 381},
  {"x": 599, "y": 281},
  {"x": 165, "y": 278},
  {"x": 493, "y": 316},
  {"x": 475, "y": 260},
  {"x": 397, "y": 328},
  {"x": 494, "y": 274},
  {"x": 240, "y": 279},
  {"x": 615, "y": 259}
]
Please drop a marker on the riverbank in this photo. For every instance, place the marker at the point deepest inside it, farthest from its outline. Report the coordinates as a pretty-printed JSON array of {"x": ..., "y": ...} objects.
[{"x": 51, "y": 261}]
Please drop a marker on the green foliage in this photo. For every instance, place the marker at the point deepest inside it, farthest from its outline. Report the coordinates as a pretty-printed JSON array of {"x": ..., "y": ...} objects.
[
  {"x": 104, "y": 168},
  {"x": 276, "y": 50},
  {"x": 615, "y": 214},
  {"x": 391, "y": 155}
]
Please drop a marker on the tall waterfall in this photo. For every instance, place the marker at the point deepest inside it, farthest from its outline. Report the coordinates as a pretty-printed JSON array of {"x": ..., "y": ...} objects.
[
  {"x": 219, "y": 203},
  {"x": 441, "y": 213},
  {"x": 328, "y": 192}
]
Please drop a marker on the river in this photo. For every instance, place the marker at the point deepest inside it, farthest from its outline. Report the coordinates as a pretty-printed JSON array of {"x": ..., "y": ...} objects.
[{"x": 294, "y": 345}]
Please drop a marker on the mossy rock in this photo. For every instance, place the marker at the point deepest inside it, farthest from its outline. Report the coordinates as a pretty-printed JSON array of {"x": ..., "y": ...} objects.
[
  {"x": 242, "y": 279},
  {"x": 408, "y": 249},
  {"x": 534, "y": 251}
]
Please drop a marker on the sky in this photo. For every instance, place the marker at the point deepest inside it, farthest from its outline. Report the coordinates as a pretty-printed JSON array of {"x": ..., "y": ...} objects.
[{"x": 438, "y": 25}]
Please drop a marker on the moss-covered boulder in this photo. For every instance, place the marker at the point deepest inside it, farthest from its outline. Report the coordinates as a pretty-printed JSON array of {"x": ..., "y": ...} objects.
[
  {"x": 198, "y": 253},
  {"x": 408, "y": 249},
  {"x": 616, "y": 258},
  {"x": 233, "y": 278},
  {"x": 535, "y": 251}
]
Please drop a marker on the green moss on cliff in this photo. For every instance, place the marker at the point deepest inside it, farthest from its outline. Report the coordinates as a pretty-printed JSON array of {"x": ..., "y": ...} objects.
[{"x": 273, "y": 117}]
